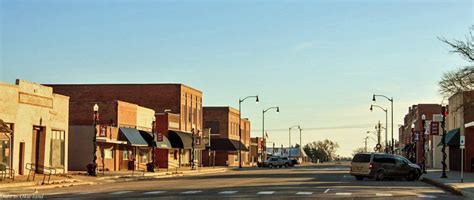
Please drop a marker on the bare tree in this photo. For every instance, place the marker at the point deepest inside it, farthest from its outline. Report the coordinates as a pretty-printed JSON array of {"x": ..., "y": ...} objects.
[
  {"x": 461, "y": 79},
  {"x": 322, "y": 150},
  {"x": 358, "y": 150}
]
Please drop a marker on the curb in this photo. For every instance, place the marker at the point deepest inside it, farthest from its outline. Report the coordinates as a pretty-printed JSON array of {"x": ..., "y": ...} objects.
[{"x": 454, "y": 190}]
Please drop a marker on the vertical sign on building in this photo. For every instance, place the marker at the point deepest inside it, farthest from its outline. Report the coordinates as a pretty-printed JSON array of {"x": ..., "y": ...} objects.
[
  {"x": 434, "y": 128},
  {"x": 159, "y": 137}
]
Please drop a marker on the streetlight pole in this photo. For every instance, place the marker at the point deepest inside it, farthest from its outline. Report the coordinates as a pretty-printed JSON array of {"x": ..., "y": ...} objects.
[
  {"x": 301, "y": 145},
  {"x": 443, "y": 150},
  {"x": 92, "y": 171},
  {"x": 391, "y": 109},
  {"x": 240, "y": 125},
  {"x": 423, "y": 135},
  {"x": 413, "y": 140},
  {"x": 153, "y": 144},
  {"x": 289, "y": 138},
  {"x": 386, "y": 125},
  {"x": 263, "y": 155}
]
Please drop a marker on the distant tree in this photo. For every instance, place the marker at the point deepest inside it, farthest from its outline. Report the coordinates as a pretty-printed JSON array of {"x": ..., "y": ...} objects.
[
  {"x": 461, "y": 79},
  {"x": 322, "y": 150},
  {"x": 358, "y": 150}
]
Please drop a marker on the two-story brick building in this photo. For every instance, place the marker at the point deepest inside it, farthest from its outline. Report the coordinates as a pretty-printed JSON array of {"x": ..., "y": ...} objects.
[
  {"x": 223, "y": 123},
  {"x": 409, "y": 136},
  {"x": 178, "y": 99},
  {"x": 123, "y": 131}
]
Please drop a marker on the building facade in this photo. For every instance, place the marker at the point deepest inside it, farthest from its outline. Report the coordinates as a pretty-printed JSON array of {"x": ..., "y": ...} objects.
[
  {"x": 411, "y": 139},
  {"x": 178, "y": 99},
  {"x": 223, "y": 123},
  {"x": 460, "y": 118},
  {"x": 39, "y": 121},
  {"x": 123, "y": 135}
]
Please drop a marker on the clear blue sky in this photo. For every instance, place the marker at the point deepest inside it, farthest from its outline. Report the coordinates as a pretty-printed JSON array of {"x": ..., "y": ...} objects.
[{"x": 320, "y": 61}]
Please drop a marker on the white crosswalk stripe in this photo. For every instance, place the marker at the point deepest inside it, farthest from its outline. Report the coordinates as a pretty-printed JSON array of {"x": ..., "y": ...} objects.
[
  {"x": 155, "y": 192},
  {"x": 427, "y": 196},
  {"x": 228, "y": 192},
  {"x": 344, "y": 194},
  {"x": 266, "y": 192},
  {"x": 120, "y": 192},
  {"x": 304, "y": 193},
  {"x": 383, "y": 195},
  {"x": 192, "y": 192}
]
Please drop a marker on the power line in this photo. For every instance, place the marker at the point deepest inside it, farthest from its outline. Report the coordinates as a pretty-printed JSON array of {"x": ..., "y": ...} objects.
[{"x": 324, "y": 128}]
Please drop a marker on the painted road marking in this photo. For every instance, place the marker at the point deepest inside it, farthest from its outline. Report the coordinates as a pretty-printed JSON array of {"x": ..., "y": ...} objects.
[
  {"x": 120, "y": 192},
  {"x": 304, "y": 193},
  {"x": 228, "y": 192},
  {"x": 344, "y": 194},
  {"x": 266, "y": 192},
  {"x": 84, "y": 193},
  {"x": 427, "y": 196},
  {"x": 326, "y": 191},
  {"x": 155, "y": 192},
  {"x": 192, "y": 192},
  {"x": 383, "y": 195}
]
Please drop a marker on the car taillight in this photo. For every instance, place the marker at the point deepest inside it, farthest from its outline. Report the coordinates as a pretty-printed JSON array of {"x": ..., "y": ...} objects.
[{"x": 371, "y": 166}]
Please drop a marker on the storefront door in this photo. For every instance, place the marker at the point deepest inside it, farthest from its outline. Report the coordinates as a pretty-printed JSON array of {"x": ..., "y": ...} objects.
[{"x": 38, "y": 148}]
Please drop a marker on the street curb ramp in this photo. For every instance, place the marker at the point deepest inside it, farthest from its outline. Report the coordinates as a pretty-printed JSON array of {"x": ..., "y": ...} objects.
[{"x": 454, "y": 190}]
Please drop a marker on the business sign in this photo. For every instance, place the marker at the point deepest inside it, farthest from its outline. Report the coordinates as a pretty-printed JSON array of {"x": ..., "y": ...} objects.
[
  {"x": 159, "y": 137},
  {"x": 437, "y": 117},
  {"x": 206, "y": 137},
  {"x": 103, "y": 131},
  {"x": 427, "y": 127},
  {"x": 462, "y": 142},
  {"x": 434, "y": 128}
]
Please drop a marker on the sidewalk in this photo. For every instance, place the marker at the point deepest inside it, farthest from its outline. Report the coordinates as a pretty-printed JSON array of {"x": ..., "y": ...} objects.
[{"x": 452, "y": 183}]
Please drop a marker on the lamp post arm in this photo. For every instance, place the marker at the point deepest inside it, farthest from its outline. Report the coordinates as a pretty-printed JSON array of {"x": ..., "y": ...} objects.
[
  {"x": 242, "y": 100},
  {"x": 385, "y": 110},
  {"x": 379, "y": 95},
  {"x": 276, "y": 107}
]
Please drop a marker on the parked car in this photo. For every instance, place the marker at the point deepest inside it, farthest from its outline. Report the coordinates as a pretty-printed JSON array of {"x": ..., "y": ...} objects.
[
  {"x": 380, "y": 166},
  {"x": 276, "y": 162},
  {"x": 288, "y": 161}
]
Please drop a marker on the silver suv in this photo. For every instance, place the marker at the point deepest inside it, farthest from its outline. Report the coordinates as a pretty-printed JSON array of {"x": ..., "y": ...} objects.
[{"x": 277, "y": 162}]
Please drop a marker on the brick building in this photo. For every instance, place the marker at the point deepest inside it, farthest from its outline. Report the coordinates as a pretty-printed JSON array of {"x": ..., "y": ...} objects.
[
  {"x": 183, "y": 101},
  {"x": 257, "y": 147},
  {"x": 223, "y": 123},
  {"x": 39, "y": 121},
  {"x": 409, "y": 137},
  {"x": 460, "y": 118},
  {"x": 123, "y": 135}
]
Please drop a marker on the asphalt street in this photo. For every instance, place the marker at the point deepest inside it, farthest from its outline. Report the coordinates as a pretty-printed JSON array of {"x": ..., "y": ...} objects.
[{"x": 320, "y": 182}]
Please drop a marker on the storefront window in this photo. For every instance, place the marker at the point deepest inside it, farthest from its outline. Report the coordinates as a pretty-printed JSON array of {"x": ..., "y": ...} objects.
[
  {"x": 57, "y": 148},
  {"x": 143, "y": 155},
  {"x": 108, "y": 153},
  {"x": 4, "y": 151}
]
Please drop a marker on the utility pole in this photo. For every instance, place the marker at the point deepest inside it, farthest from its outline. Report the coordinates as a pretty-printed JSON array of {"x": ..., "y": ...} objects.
[
  {"x": 379, "y": 127},
  {"x": 366, "y": 138}
]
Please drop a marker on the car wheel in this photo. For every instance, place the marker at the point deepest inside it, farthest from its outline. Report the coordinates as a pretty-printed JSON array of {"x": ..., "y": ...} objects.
[
  {"x": 286, "y": 165},
  {"x": 379, "y": 176},
  {"x": 412, "y": 176},
  {"x": 270, "y": 165},
  {"x": 359, "y": 178}
]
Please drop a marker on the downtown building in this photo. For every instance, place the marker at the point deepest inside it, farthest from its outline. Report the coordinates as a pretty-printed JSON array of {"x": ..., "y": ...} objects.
[
  {"x": 178, "y": 110},
  {"x": 35, "y": 129},
  {"x": 461, "y": 123},
  {"x": 223, "y": 123},
  {"x": 122, "y": 131},
  {"x": 413, "y": 132}
]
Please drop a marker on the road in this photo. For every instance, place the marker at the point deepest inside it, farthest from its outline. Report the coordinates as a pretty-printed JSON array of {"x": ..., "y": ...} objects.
[{"x": 320, "y": 182}]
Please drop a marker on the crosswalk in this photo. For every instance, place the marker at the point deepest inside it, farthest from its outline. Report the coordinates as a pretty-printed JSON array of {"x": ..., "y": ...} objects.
[{"x": 258, "y": 193}]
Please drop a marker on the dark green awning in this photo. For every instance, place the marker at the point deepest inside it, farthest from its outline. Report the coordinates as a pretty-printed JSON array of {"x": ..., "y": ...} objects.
[
  {"x": 452, "y": 137},
  {"x": 165, "y": 144},
  {"x": 180, "y": 140},
  {"x": 133, "y": 137}
]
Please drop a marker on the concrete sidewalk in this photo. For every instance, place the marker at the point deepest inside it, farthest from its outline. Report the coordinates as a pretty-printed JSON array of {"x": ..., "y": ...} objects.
[{"x": 452, "y": 183}]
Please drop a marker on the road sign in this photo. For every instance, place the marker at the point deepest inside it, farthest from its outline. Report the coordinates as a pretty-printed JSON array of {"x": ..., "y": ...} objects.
[
  {"x": 438, "y": 117},
  {"x": 462, "y": 142}
]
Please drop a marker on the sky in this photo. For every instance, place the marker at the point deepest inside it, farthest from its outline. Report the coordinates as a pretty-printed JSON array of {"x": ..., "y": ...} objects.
[{"x": 320, "y": 61}]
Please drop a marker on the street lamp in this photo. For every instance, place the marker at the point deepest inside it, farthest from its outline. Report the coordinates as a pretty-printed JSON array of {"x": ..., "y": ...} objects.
[
  {"x": 301, "y": 145},
  {"x": 153, "y": 144},
  {"x": 391, "y": 108},
  {"x": 443, "y": 150},
  {"x": 263, "y": 155},
  {"x": 413, "y": 140},
  {"x": 240, "y": 123},
  {"x": 423, "y": 159},
  {"x": 386, "y": 124},
  {"x": 289, "y": 135},
  {"x": 92, "y": 169}
]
